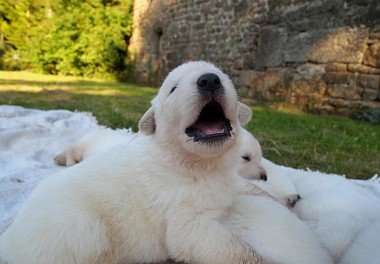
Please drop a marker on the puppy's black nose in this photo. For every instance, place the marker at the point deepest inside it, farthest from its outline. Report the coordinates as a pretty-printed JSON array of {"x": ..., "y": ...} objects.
[
  {"x": 263, "y": 177},
  {"x": 209, "y": 82}
]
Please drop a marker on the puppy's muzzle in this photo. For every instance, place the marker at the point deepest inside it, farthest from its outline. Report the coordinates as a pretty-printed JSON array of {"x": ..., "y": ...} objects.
[
  {"x": 263, "y": 176},
  {"x": 212, "y": 126},
  {"x": 209, "y": 82}
]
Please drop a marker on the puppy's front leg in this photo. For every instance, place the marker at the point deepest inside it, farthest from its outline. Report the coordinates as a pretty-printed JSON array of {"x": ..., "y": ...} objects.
[
  {"x": 198, "y": 238},
  {"x": 252, "y": 189}
]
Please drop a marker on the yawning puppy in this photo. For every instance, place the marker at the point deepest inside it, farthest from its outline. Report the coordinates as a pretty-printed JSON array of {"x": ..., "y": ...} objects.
[{"x": 158, "y": 196}]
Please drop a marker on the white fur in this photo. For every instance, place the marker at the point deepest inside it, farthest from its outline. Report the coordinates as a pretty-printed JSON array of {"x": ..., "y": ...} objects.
[
  {"x": 270, "y": 228},
  {"x": 337, "y": 209},
  {"x": 365, "y": 248},
  {"x": 92, "y": 143},
  {"x": 156, "y": 197},
  {"x": 251, "y": 149},
  {"x": 276, "y": 232}
]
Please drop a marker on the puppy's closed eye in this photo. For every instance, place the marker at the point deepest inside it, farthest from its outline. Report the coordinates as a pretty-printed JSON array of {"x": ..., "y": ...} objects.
[
  {"x": 246, "y": 157},
  {"x": 172, "y": 90}
]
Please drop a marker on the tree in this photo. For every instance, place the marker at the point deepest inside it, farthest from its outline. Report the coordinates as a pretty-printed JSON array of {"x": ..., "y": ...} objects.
[{"x": 69, "y": 37}]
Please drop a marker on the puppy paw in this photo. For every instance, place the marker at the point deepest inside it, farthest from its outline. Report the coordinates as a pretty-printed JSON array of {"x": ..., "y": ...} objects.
[
  {"x": 60, "y": 159},
  {"x": 291, "y": 200}
]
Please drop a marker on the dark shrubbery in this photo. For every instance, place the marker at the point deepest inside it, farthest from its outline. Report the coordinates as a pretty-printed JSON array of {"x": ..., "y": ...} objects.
[{"x": 69, "y": 37}]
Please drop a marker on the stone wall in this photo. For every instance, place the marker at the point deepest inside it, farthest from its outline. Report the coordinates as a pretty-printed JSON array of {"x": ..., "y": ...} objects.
[{"x": 323, "y": 55}]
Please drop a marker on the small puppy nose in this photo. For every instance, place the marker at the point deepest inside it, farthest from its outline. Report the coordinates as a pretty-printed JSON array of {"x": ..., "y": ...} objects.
[
  {"x": 209, "y": 82},
  {"x": 263, "y": 177}
]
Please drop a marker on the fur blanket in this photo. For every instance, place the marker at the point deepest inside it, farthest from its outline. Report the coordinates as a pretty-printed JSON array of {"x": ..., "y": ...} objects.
[{"x": 29, "y": 140}]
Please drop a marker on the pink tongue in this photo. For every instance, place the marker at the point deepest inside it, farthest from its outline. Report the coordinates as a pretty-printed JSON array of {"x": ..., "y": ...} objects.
[{"x": 211, "y": 128}]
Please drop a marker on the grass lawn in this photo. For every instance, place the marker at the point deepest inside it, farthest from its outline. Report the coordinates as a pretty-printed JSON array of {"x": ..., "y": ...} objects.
[{"x": 329, "y": 144}]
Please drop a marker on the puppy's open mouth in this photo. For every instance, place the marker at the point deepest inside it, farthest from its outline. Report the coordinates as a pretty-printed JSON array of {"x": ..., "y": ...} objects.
[{"x": 211, "y": 125}]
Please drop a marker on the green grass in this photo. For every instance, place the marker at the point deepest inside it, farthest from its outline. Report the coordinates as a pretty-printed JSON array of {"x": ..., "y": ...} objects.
[
  {"x": 325, "y": 143},
  {"x": 114, "y": 104}
]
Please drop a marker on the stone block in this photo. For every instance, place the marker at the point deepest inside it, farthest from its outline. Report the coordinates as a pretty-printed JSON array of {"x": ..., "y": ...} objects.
[
  {"x": 253, "y": 80},
  {"x": 324, "y": 109},
  {"x": 363, "y": 104},
  {"x": 372, "y": 55},
  {"x": 271, "y": 43},
  {"x": 343, "y": 111},
  {"x": 246, "y": 77},
  {"x": 336, "y": 67},
  {"x": 344, "y": 45},
  {"x": 298, "y": 47},
  {"x": 369, "y": 81},
  {"x": 337, "y": 91},
  {"x": 360, "y": 68},
  {"x": 369, "y": 95},
  {"x": 239, "y": 63},
  {"x": 310, "y": 71},
  {"x": 345, "y": 92},
  {"x": 374, "y": 35},
  {"x": 338, "y": 78},
  {"x": 277, "y": 76},
  {"x": 269, "y": 85},
  {"x": 337, "y": 102}
]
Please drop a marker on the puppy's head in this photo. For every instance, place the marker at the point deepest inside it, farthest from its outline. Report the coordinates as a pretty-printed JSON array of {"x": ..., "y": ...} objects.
[
  {"x": 197, "y": 109},
  {"x": 250, "y": 158}
]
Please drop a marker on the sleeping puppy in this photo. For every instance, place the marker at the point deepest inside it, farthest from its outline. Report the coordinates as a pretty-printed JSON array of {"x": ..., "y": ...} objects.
[
  {"x": 159, "y": 196},
  {"x": 250, "y": 157},
  {"x": 254, "y": 179}
]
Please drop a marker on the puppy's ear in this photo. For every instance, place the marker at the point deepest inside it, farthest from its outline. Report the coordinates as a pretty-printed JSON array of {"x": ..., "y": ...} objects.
[
  {"x": 147, "y": 124},
  {"x": 244, "y": 114}
]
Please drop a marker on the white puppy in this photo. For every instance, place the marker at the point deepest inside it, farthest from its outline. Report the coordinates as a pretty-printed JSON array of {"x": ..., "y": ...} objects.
[
  {"x": 158, "y": 196},
  {"x": 275, "y": 232},
  {"x": 365, "y": 248},
  {"x": 250, "y": 168},
  {"x": 250, "y": 158},
  {"x": 337, "y": 209}
]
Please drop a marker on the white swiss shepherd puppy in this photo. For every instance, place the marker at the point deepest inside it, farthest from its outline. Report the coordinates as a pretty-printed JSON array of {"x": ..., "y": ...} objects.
[{"x": 158, "y": 196}]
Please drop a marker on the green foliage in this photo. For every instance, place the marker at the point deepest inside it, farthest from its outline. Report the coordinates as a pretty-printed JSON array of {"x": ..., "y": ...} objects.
[{"x": 68, "y": 37}]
